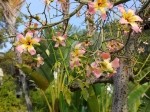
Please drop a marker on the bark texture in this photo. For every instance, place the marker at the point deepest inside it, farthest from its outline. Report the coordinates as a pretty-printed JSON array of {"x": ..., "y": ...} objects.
[
  {"x": 120, "y": 81},
  {"x": 121, "y": 78}
]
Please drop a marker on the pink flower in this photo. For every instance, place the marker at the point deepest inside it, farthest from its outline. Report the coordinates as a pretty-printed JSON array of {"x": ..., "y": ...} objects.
[
  {"x": 115, "y": 63},
  {"x": 40, "y": 60},
  {"x": 96, "y": 70},
  {"x": 106, "y": 65},
  {"x": 101, "y": 5},
  {"x": 26, "y": 43},
  {"x": 75, "y": 55},
  {"x": 59, "y": 39},
  {"x": 78, "y": 51},
  {"x": 91, "y": 9},
  {"x": 130, "y": 18},
  {"x": 74, "y": 62}
]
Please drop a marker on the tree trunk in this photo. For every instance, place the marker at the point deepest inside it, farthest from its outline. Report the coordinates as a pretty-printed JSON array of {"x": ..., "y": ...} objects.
[
  {"x": 120, "y": 81},
  {"x": 121, "y": 78}
]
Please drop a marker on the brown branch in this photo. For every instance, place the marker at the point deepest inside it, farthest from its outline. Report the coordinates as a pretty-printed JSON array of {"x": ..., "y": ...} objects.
[
  {"x": 69, "y": 16},
  {"x": 56, "y": 23},
  {"x": 120, "y": 2},
  {"x": 144, "y": 6},
  {"x": 74, "y": 12},
  {"x": 92, "y": 80}
]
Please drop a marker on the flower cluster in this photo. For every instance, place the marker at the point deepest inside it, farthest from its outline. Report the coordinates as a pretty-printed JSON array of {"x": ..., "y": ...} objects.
[
  {"x": 27, "y": 43},
  {"x": 103, "y": 66},
  {"x": 114, "y": 45},
  {"x": 59, "y": 39},
  {"x": 76, "y": 54},
  {"x": 129, "y": 18},
  {"x": 101, "y": 5}
]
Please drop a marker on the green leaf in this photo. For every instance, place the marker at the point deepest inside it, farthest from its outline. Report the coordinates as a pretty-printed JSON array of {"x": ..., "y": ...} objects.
[
  {"x": 62, "y": 103},
  {"x": 134, "y": 97},
  {"x": 85, "y": 94},
  {"x": 93, "y": 101},
  {"x": 145, "y": 106},
  {"x": 143, "y": 74},
  {"x": 67, "y": 95},
  {"x": 39, "y": 80}
]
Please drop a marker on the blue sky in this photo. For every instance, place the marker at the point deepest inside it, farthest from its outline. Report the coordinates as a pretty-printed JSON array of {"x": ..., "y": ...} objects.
[{"x": 37, "y": 6}]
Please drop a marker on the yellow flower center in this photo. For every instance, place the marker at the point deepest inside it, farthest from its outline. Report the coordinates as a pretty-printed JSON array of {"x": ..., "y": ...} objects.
[
  {"x": 59, "y": 39},
  {"x": 129, "y": 17},
  {"x": 29, "y": 42},
  {"x": 101, "y": 3}
]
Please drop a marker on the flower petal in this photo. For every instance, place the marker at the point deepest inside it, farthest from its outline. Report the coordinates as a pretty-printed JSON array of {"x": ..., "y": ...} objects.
[
  {"x": 115, "y": 63},
  {"x": 123, "y": 21},
  {"x": 36, "y": 40},
  {"x": 103, "y": 16},
  {"x": 63, "y": 43},
  {"x": 132, "y": 12},
  {"x": 97, "y": 73},
  {"x": 31, "y": 50},
  {"x": 138, "y": 18},
  {"x": 121, "y": 8},
  {"x": 21, "y": 38},
  {"x": 57, "y": 44},
  {"x": 29, "y": 34},
  {"x": 105, "y": 55},
  {"x": 135, "y": 27},
  {"x": 20, "y": 48},
  {"x": 91, "y": 9},
  {"x": 110, "y": 5},
  {"x": 74, "y": 62}
]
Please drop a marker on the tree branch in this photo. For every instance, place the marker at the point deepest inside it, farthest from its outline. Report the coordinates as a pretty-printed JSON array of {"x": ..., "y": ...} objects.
[
  {"x": 92, "y": 80},
  {"x": 69, "y": 16},
  {"x": 74, "y": 12}
]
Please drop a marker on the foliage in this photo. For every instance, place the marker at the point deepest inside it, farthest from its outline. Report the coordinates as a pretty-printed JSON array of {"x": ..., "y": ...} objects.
[
  {"x": 8, "y": 99},
  {"x": 69, "y": 66}
]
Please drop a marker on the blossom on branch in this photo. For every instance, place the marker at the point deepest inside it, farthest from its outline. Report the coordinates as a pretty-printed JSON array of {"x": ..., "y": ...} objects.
[
  {"x": 103, "y": 66},
  {"x": 74, "y": 62},
  {"x": 78, "y": 51},
  {"x": 101, "y": 5},
  {"x": 59, "y": 39},
  {"x": 129, "y": 17},
  {"x": 96, "y": 70},
  {"x": 76, "y": 54},
  {"x": 108, "y": 66},
  {"x": 26, "y": 43}
]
